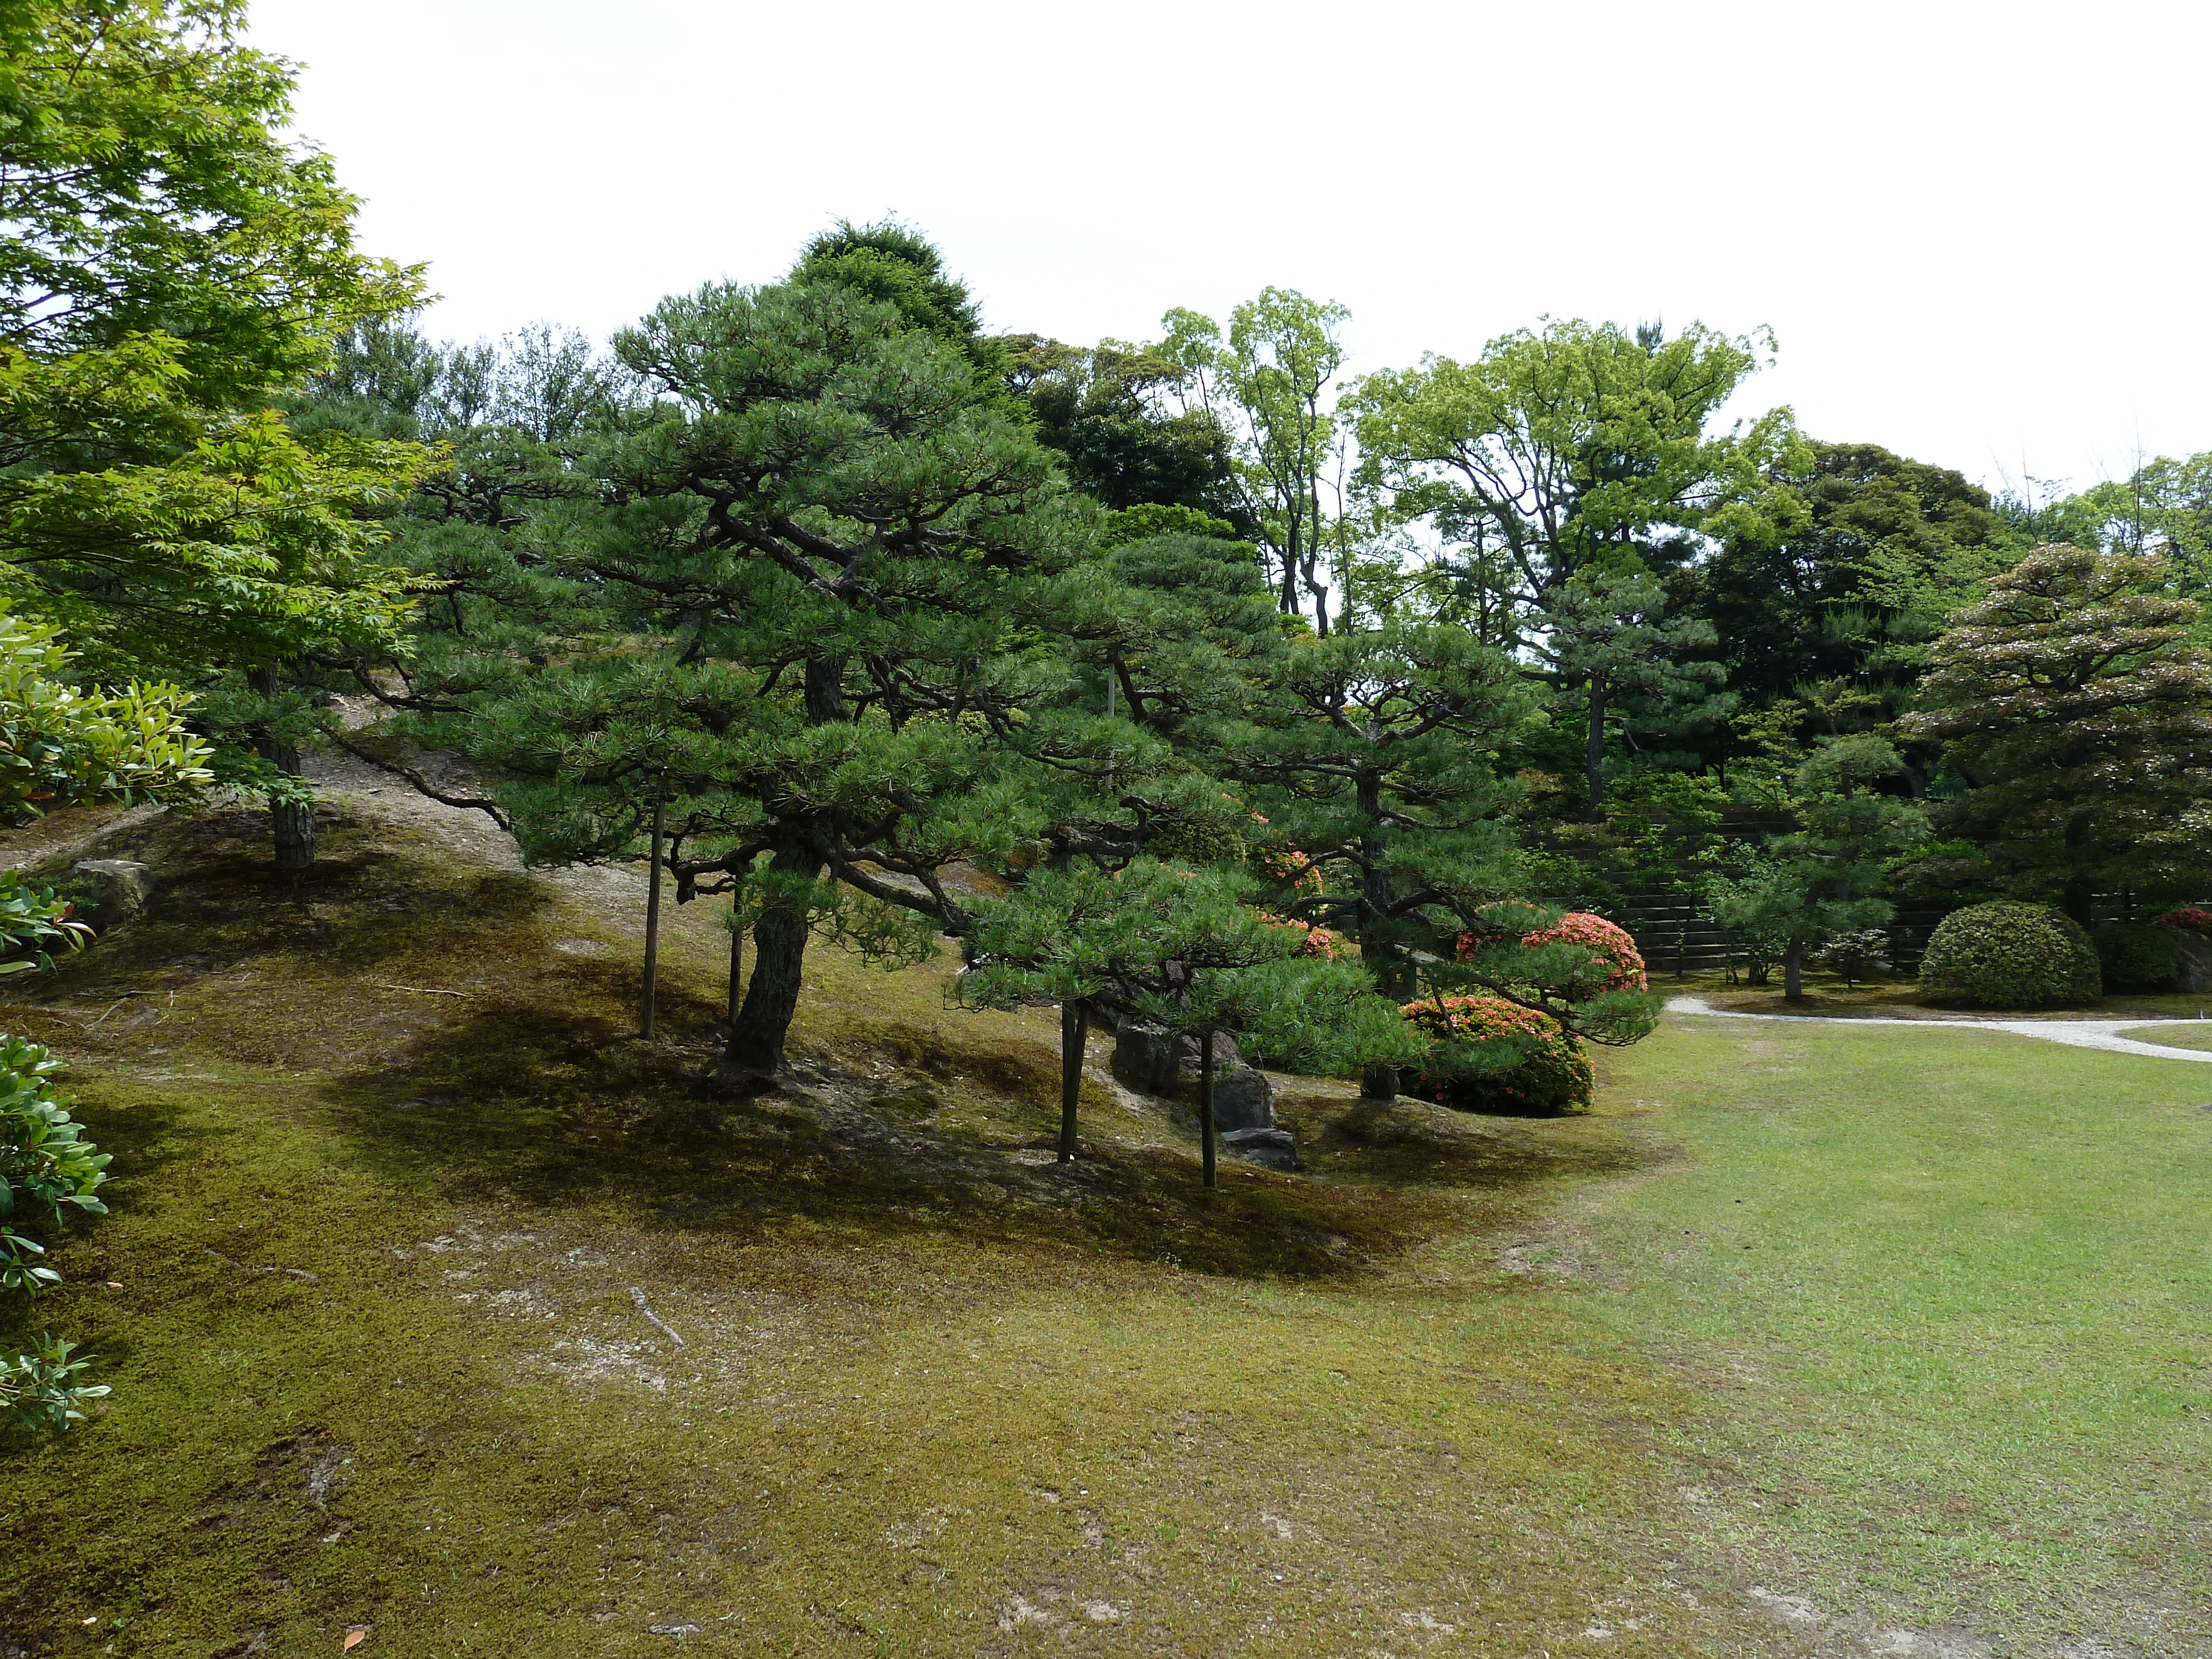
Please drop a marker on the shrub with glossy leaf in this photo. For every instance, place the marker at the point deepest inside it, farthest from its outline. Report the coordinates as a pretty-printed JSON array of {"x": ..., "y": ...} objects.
[
  {"x": 30, "y": 917},
  {"x": 2009, "y": 954},
  {"x": 40, "y": 1387},
  {"x": 2137, "y": 956},
  {"x": 44, "y": 1161},
  {"x": 1487, "y": 1055}
]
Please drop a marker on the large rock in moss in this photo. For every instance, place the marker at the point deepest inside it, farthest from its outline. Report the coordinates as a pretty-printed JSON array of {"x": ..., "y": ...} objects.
[
  {"x": 122, "y": 888},
  {"x": 1147, "y": 1058},
  {"x": 2010, "y": 955}
]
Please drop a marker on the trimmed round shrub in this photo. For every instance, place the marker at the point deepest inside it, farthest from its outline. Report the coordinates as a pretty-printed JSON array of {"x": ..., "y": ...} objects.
[
  {"x": 2010, "y": 955},
  {"x": 1614, "y": 956},
  {"x": 1613, "y": 963},
  {"x": 1487, "y": 1055},
  {"x": 2137, "y": 955}
]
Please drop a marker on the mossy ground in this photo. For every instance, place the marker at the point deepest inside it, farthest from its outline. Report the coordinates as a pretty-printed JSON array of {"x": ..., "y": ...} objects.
[{"x": 395, "y": 1180}]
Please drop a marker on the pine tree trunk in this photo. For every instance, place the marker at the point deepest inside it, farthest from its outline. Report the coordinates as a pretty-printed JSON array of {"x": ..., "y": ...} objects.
[
  {"x": 1596, "y": 745},
  {"x": 1206, "y": 1106},
  {"x": 1793, "y": 969},
  {"x": 2077, "y": 902},
  {"x": 757, "y": 1037},
  {"x": 1075, "y": 1023},
  {"x": 1383, "y": 956},
  {"x": 737, "y": 971},
  {"x": 293, "y": 821},
  {"x": 294, "y": 824}
]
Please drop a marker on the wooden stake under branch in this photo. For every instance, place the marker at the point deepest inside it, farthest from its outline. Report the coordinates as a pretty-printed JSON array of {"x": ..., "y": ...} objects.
[
  {"x": 1205, "y": 1103},
  {"x": 1074, "y": 1025},
  {"x": 653, "y": 914}
]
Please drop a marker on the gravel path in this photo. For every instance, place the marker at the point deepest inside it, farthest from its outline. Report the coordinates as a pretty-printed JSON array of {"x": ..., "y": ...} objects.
[{"x": 2075, "y": 1033}]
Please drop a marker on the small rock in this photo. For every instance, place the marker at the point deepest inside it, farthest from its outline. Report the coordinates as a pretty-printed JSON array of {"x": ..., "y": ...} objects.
[
  {"x": 675, "y": 1629},
  {"x": 1276, "y": 1149},
  {"x": 1149, "y": 1060},
  {"x": 123, "y": 886}
]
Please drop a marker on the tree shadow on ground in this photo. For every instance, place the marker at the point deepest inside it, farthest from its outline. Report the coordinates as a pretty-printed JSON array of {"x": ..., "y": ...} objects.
[
  {"x": 885, "y": 1128},
  {"x": 549, "y": 1105},
  {"x": 1412, "y": 1143},
  {"x": 219, "y": 906}
]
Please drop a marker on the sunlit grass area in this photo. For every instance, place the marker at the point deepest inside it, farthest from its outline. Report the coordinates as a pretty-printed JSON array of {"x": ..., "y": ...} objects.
[
  {"x": 438, "y": 1306},
  {"x": 1948, "y": 1299},
  {"x": 2174, "y": 1036}
]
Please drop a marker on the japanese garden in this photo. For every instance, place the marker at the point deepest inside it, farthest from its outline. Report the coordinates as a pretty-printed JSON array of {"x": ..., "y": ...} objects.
[{"x": 829, "y": 976}]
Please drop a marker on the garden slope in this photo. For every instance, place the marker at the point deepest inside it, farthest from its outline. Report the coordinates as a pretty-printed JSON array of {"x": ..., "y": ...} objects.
[{"x": 438, "y": 1306}]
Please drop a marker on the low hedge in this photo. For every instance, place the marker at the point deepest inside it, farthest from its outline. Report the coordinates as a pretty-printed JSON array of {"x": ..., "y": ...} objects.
[
  {"x": 2137, "y": 955},
  {"x": 1487, "y": 1055},
  {"x": 2010, "y": 955}
]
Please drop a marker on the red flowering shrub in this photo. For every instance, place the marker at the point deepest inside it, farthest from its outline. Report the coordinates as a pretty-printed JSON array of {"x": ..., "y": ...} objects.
[
  {"x": 1323, "y": 942},
  {"x": 1472, "y": 1067},
  {"x": 1615, "y": 963},
  {"x": 1607, "y": 944},
  {"x": 1288, "y": 864},
  {"x": 2187, "y": 919}
]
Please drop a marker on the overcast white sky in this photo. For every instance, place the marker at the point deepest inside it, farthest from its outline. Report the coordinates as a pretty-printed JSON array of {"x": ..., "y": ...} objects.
[{"x": 1980, "y": 230}]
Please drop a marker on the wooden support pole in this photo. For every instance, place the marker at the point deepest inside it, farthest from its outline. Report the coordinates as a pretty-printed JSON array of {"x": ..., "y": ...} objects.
[
  {"x": 652, "y": 914},
  {"x": 1205, "y": 1105},
  {"x": 1074, "y": 1026}
]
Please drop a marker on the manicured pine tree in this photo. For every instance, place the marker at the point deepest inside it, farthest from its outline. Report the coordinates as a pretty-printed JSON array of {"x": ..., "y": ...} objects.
[
  {"x": 1610, "y": 644},
  {"x": 2078, "y": 718},
  {"x": 833, "y": 499},
  {"x": 1374, "y": 757},
  {"x": 1827, "y": 877},
  {"x": 1181, "y": 948}
]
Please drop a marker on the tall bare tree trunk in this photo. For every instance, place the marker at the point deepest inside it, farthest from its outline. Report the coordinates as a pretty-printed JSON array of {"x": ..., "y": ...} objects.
[
  {"x": 1596, "y": 745},
  {"x": 757, "y": 1037},
  {"x": 737, "y": 966},
  {"x": 1074, "y": 1025}
]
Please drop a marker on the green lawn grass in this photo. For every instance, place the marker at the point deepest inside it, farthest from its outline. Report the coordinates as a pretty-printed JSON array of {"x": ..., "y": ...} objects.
[
  {"x": 1948, "y": 1302},
  {"x": 1910, "y": 1326},
  {"x": 2173, "y": 1036}
]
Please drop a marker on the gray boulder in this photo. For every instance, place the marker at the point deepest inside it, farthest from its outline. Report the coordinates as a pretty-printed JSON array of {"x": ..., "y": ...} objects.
[
  {"x": 1154, "y": 1063},
  {"x": 1278, "y": 1148},
  {"x": 1149, "y": 1060},
  {"x": 1378, "y": 1081},
  {"x": 1243, "y": 1099},
  {"x": 123, "y": 887},
  {"x": 1145, "y": 1059}
]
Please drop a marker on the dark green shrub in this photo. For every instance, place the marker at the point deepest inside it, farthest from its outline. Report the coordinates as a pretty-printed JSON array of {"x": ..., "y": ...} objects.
[
  {"x": 2137, "y": 956},
  {"x": 2010, "y": 955}
]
